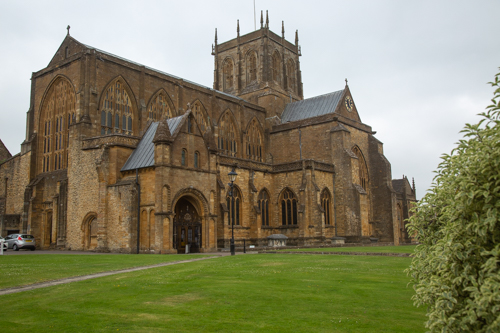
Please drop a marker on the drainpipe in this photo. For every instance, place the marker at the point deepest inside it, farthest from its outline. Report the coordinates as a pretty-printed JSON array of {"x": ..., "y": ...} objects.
[
  {"x": 334, "y": 207},
  {"x": 138, "y": 208}
]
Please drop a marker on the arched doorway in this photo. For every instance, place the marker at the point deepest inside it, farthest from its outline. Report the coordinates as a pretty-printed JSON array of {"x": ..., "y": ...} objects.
[
  {"x": 187, "y": 227},
  {"x": 47, "y": 239},
  {"x": 89, "y": 228}
]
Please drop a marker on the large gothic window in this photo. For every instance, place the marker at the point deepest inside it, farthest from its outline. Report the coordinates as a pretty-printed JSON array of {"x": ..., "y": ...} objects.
[
  {"x": 58, "y": 113},
  {"x": 290, "y": 72},
  {"x": 228, "y": 70},
  {"x": 276, "y": 68},
  {"x": 251, "y": 67},
  {"x": 325, "y": 204},
  {"x": 227, "y": 136},
  {"x": 288, "y": 208},
  {"x": 363, "y": 171},
  {"x": 263, "y": 202},
  {"x": 116, "y": 110},
  {"x": 254, "y": 142},
  {"x": 199, "y": 115},
  {"x": 158, "y": 108},
  {"x": 234, "y": 206}
]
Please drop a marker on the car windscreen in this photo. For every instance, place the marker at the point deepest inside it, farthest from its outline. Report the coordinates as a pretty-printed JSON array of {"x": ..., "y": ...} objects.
[{"x": 27, "y": 236}]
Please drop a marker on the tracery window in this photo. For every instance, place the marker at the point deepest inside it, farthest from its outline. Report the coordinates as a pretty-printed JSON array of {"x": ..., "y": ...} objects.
[
  {"x": 251, "y": 67},
  {"x": 263, "y": 202},
  {"x": 288, "y": 208},
  {"x": 325, "y": 204},
  {"x": 234, "y": 206},
  {"x": 363, "y": 171},
  {"x": 290, "y": 69},
  {"x": 228, "y": 79},
  {"x": 227, "y": 136},
  {"x": 254, "y": 142},
  {"x": 116, "y": 110},
  {"x": 276, "y": 70},
  {"x": 58, "y": 112},
  {"x": 158, "y": 108},
  {"x": 200, "y": 117}
]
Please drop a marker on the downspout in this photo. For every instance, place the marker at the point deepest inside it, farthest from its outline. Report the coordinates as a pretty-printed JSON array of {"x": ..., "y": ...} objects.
[
  {"x": 138, "y": 208},
  {"x": 334, "y": 207},
  {"x": 300, "y": 143}
]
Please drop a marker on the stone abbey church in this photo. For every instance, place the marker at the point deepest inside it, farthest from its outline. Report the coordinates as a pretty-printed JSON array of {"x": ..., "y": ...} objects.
[{"x": 120, "y": 157}]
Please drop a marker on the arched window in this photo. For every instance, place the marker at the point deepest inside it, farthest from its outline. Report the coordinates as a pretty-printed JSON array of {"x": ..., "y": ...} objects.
[
  {"x": 227, "y": 136},
  {"x": 288, "y": 208},
  {"x": 290, "y": 72},
  {"x": 263, "y": 202},
  {"x": 251, "y": 67},
  {"x": 363, "y": 171},
  {"x": 196, "y": 159},
  {"x": 325, "y": 204},
  {"x": 228, "y": 79},
  {"x": 254, "y": 142},
  {"x": 183, "y": 157},
  {"x": 234, "y": 206},
  {"x": 116, "y": 110},
  {"x": 158, "y": 107},
  {"x": 58, "y": 112},
  {"x": 199, "y": 115},
  {"x": 276, "y": 67}
]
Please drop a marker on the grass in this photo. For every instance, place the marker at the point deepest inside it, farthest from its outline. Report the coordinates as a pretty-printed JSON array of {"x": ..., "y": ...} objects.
[
  {"x": 29, "y": 269},
  {"x": 244, "y": 293},
  {"x": 372, "y": 249}
]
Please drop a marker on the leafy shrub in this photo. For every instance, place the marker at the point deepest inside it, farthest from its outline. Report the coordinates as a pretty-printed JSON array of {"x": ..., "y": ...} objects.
[{"x": 456, "y": 269}]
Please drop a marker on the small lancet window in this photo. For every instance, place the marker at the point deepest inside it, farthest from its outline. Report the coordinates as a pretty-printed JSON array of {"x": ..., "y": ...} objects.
[
  {"x": 263, "y": 202},
  {"x": 234, "y": 206},
  {"x": 288, "y": 208},
  {"x": 325, "y": 204},
  {"x": 196, "y": 159},
  {"x": 183, "y": 157}
]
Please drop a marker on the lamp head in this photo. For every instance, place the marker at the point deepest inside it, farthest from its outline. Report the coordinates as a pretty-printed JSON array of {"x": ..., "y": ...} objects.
[{"x": 232, "y": 175}]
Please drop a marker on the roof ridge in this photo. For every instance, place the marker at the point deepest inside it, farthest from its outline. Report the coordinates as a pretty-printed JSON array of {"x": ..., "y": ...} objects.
[{"x": 157, "y": 70}]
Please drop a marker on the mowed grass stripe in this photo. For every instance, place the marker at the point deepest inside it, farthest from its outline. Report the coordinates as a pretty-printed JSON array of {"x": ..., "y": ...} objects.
[
  {"x": 244, "y": 293},
  {"x": 24, "y": 270},
  {"x": 365, "y": 249}
]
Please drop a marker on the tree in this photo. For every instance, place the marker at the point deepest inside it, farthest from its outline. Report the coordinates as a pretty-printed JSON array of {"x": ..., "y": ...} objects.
[{"x": 456, "y": 268}]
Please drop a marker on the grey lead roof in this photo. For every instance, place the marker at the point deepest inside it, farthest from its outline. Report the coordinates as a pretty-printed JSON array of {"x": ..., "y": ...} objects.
[
  {"x": 311, "y": 107},
  {"x": 144, "y": 155}
]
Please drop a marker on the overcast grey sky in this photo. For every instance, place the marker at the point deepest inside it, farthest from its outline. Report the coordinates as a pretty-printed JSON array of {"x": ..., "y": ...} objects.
[{"x": 417, "y": 70}]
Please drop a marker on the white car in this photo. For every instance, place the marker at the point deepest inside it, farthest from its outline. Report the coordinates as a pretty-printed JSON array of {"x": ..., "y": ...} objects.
[{"x": 5, "y": 246}]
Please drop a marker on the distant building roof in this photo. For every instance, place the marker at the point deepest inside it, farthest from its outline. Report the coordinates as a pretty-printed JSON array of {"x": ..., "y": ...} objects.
[
  {"x": 311, "y": 107},
  {"x": 144, "y": 155}
]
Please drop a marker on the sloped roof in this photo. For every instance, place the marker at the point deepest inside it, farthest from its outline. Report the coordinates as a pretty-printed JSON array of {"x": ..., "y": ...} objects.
[
  {"x": 158, "y": 71},
  {"x": 144, "y": 155},
  {"x": 311, "y": 107},
  {"x": 397, "y": 185}
]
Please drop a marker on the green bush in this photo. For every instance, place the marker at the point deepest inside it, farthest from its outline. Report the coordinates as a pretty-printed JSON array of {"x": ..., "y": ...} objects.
[{"x": 456, "y": 269}]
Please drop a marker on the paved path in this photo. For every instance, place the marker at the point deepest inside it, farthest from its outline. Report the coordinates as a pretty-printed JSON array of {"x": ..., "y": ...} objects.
[{"x": 96, "y": 275}]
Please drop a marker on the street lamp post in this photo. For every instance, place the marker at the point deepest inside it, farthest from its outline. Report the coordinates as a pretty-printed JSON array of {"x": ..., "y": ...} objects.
[{"x": 232, "y": 177}]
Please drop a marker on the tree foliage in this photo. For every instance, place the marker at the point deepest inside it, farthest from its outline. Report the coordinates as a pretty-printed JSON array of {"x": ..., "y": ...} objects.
[{"x": 456, "y": 268}]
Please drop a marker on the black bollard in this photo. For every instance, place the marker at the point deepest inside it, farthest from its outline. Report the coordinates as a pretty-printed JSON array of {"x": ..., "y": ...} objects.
[{"x": 244, "y": 247}]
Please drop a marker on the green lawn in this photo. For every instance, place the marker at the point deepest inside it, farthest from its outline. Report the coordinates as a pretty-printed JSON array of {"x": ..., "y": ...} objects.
[
  {"x": 244, "y": 293},
  {"x": 28, "y": 269},
  {"x": 372, "y": 249}
]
